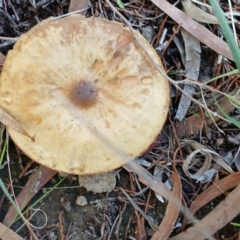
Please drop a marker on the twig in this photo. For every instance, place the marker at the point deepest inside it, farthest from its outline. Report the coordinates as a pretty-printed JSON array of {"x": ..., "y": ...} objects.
[
  {"x": 5, "y": 44},
  {"x": 61, "y": 231},
  {"x": 151, "y": 223},
  {"x": 120, "y": 219},
  {"x": 30, "y": 163},
  {"x": 67, "y": 14},
  {"x": 126, "y": 232},
  {"x": 14, "y": 10},
  {"x": 9, "y": 38},
  {"x": 114, "y": 223},
  {"x": 6, "y": 15}
]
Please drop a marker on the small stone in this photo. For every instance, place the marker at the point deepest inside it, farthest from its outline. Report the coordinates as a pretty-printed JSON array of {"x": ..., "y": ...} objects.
[{"x": 81, "y": 201}]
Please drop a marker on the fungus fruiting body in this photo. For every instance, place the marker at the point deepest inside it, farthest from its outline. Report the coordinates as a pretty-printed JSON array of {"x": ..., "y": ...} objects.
[{"x": 86, "y": 92}]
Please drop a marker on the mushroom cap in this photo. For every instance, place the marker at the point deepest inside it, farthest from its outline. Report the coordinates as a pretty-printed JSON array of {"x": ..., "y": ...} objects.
[{"x": 86, "y": 92}]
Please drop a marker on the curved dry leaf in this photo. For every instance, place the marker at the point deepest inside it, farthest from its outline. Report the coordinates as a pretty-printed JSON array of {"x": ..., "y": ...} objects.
[
  {"x": 196, "y": 13},
  {"x": 222, "y": 214},
  {"x": 172, "y": 211},
  {"x": 10, "y": 122},
  {"x": 215, "y": 157},
  {"x": 206, "y": 165}
]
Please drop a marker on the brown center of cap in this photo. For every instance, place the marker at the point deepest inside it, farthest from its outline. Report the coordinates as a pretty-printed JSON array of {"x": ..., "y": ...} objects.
[{"x": 83, "y": 94}]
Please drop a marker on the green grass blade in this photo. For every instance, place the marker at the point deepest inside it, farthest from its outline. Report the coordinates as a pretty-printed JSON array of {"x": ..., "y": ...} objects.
[
  {"x": 232, "y": 120},
  {"x": 236, "y": 224},
  {"x": 10, "y": 199},
  {"x": 3, "y": 152},
  {"x": 235, "y": 71},
  {"x": 120, "y": 4},
  {"x": 226, "y": 31}
]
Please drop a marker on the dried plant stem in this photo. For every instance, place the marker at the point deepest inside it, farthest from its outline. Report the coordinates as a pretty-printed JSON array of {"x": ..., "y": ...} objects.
[{"x": 8, "y": 38}]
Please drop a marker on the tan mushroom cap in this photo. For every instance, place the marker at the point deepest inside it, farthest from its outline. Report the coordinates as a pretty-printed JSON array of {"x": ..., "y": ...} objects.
[{"x": 86, "y": 92}]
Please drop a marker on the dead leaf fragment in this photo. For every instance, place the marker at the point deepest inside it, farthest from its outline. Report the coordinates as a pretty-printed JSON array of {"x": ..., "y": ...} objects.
[
  {"x": 228, "y": 209},
  {"x": 215, "y": 190},
  {"x": 234, "y": 139},
  {"x": 158, "y": 174},
  {"x": 2, "y": 59},
  {"x": 8, "y": 234},
  {"x": 192, "y": 65},
  {"x": 10, "y": 122},
  {"x": 199, "y": 148},
  {"x": 76, "y": 5},
  {"x": 193, "y": 124},
  {"x": 196, "y": 13},
  {"x": 197, "y": 30},
  {"x": 172, "y": 211},
  {"x": 38, "y": 179},
  {"x": 190, "y": 158},
  {"x": 207, "y": 175},
  {"x": 146, "y": 178}
]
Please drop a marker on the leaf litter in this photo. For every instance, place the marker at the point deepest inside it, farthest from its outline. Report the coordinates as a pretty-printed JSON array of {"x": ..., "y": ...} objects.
[{"x": 211, "y": 223}]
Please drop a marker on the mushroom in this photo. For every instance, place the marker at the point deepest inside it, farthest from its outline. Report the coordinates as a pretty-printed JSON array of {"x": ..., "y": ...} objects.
[{"x": 86, "y": 92}]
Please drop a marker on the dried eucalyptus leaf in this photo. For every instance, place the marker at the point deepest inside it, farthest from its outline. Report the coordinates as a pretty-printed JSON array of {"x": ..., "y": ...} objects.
[
  {"x": 235, "y": 139},
  {"x": 196, "y": 13},
  {"x": 143, "y": 162},
  {"x": 207, "y": 176},
  {"x": 209, "y": 156},
  {"x": 192, "y": 66},
  {"x": 10, "y": 122},
  {"x": 158, "y": 173},
  {"x": 206, "y": 165}
]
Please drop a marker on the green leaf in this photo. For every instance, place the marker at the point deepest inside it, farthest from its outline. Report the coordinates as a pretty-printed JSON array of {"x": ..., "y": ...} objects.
[{"x": 120, "y": 4}]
